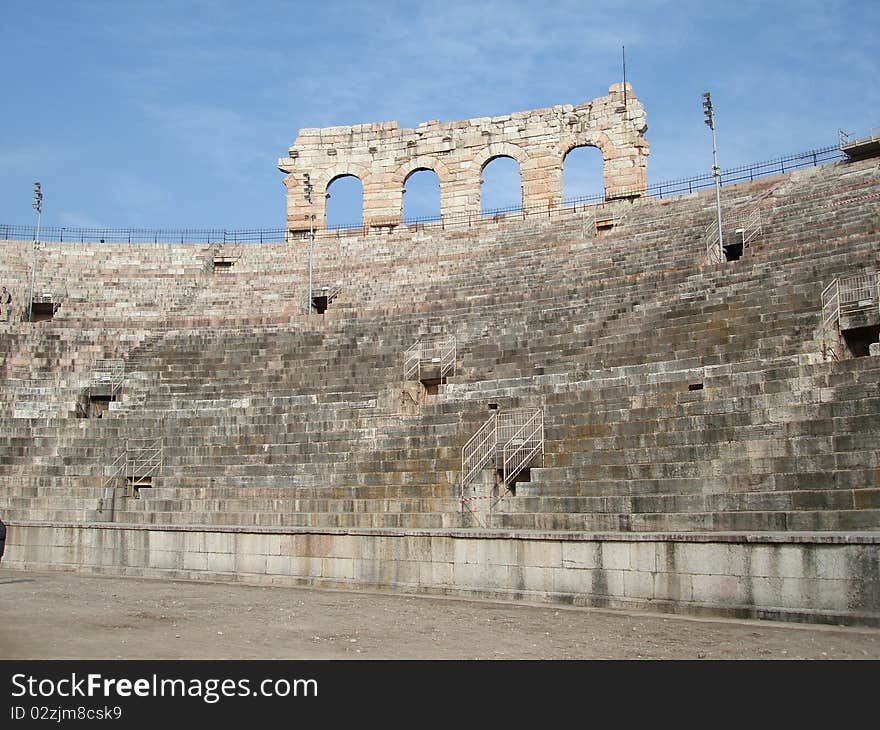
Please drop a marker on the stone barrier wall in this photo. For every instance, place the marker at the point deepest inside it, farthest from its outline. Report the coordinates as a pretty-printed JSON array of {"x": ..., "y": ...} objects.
[{"x": 826, "y": 578}]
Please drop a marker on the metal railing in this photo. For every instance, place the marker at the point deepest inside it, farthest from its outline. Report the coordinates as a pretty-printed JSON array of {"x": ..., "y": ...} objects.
[
  {"x": 111, "y": 482},
  {"x": 740, "y": 227},
  {"x": 511, "y": 440},
  {"x": 667, "y": 189},
  {"x": 136, "y": 465},
  {"x": 209, "y": 259},
  {"x": 847, "y": 139},
  {"x": 48, "y": 296},
  {"x": 713, "y": 247},
  {"x": 747, "y": 226},
  {"x": 848, "y": 295},
  {"x": 144, "y": 459},
  {"x": 65, "y": 234},
  {"x": 107, "y": 376},
  {"x": 831, "y": 307},
  {"x": 522, "y": 447},
  {"x": 229, "y": 251},
  {"x": 331, "y": 291},
  {"x": 478, "y": 451},
  {"x": 858, "y": 292},
  {"x": 433, "y": 351}
]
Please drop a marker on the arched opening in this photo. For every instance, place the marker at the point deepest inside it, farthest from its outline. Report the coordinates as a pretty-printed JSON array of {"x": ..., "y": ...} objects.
[
  {"x": 500, "y": 186},
  {"x": 582, "y": 175},
  {"x": 421, "y": 196},
  {"x": 345, "y": 202}
]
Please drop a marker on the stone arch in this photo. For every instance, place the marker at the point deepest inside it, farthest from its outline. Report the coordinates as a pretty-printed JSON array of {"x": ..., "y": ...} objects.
[
  {"x": 564, "y": 172},
  {"x": 423, "y": 162},
  {"x": 590, "y": 138},
  {"x": 421, "y": 196},
  {"x": 614, "y": 159},
  {"x": 501, "y": 185},
  {"x": 484, "y": 157},
  {"x": 323, "y": 179},
  {"x": 501, "y": 149},
  {"x": 344, "y": 202}
]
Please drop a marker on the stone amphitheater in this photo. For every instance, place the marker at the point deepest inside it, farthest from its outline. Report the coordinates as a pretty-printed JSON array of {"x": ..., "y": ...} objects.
[{"x": 593, "y": 404}]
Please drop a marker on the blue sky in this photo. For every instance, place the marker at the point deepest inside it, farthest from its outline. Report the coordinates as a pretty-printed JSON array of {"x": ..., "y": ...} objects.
[{"x": 173, "y": 114}]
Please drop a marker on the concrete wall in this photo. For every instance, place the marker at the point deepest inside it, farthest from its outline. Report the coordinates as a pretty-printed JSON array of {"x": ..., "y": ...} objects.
[
  {"x": 383, "y": 155},
  {"x": 828, "y": 577}
]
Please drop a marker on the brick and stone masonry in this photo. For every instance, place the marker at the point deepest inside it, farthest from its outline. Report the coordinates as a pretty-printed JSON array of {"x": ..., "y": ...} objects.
[{"x": 383, "y": 155}]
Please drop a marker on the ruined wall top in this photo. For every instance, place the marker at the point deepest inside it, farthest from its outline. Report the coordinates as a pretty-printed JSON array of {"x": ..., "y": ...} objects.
[{"x": 383, "y": 155}]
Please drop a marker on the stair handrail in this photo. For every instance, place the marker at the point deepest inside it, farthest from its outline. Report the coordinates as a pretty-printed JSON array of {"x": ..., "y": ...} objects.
[
  {"x": 749, "y": 225},
  {"x": 831, "y": 305},
  {"x": 710, "y": 236},
  {"x": 479, "y": 449},
  {"x": 323, "y": 290},
  {"x": 211, "y": 255},
  {"x": 858, "y": 291},
  {"x": 522, "y": 447},
  {"x": 448, "y": 356},
  {"x": 439, "y": 350},
  {"x": 107, "y": 373},
  {"x": 108, "y": 487},
  {"x": 231, "y": 250},
  {"x": 144, "y": 458},
  {"x": 411, "y": 360}
]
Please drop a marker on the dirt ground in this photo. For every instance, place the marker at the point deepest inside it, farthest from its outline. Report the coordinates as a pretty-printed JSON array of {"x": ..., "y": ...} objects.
[{"x": 71, "y": 616}]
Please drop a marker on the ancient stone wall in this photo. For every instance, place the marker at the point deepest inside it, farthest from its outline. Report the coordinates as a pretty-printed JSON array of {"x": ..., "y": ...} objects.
[
  {"x": 829, "y": 578},
  {"x": 383, "y": 156}
]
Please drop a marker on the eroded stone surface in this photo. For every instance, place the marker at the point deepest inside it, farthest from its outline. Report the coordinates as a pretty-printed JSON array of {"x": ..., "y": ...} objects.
[{"x": 383, "y": 155}]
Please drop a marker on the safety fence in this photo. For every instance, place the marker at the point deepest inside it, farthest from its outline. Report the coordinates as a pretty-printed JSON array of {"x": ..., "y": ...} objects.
[{"x": 210, "y": 236}]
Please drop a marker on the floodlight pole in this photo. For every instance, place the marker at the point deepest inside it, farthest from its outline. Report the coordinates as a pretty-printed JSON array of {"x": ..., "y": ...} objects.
[
  {"x": 38, "y": 206},
  {"x": 709, "y": 113}
]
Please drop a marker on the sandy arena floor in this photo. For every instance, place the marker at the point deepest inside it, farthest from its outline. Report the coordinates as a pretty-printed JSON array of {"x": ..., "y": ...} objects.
[{"x": 70, "y": 616}]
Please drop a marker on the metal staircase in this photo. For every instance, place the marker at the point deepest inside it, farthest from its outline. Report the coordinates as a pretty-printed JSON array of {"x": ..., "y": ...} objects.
[
  {"x": 222, "y": 255},
  {"x": 46, "y": 302},
  {"x": 845, "y": 297},
  {"x": 328, "y": 291},
  {"x": 107, "y": 377},
  {"x": 740, "y": 229},
  {"x": 434, "y": 354},
  {"x": 509, "y": 441},
  {"x": 133, "y": 469}
]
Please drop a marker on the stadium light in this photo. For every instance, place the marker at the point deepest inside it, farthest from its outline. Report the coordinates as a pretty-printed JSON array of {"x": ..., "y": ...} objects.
[
  {"x": 38, "y": 206},
  {"x": 307, "y": 184},
  {"x": 709, "y": 114}
]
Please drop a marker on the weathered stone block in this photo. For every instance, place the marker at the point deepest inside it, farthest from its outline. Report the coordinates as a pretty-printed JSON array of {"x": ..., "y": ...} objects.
[{"x": 221, "y": 562}]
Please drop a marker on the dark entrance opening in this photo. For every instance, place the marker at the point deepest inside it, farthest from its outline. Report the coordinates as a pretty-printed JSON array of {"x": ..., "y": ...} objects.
[
  {"x": 429, "y": 377},
  {"x": 323, "y": 296},
  {"x": 859, "y": 339},
  {"x": 733, "y": 251},
  {"x": 223, "y": 264},
  {"x": 603, "y": 225},
  {"x": 43, "y": 311},
  {"x": 98, "y": 404},
  {"x": 135, "y": 484},
  {"x": 524, "y": 476}
]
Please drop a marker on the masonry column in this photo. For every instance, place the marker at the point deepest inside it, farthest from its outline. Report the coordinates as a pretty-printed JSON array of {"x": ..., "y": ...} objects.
[{"x": 626, "y": 160}]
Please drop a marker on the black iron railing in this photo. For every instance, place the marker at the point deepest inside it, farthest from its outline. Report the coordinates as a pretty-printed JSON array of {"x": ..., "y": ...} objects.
[{"x": 667, "y": 189}]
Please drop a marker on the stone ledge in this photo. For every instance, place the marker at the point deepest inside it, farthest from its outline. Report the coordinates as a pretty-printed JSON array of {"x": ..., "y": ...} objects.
[{"x": 818, "y": 538}]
